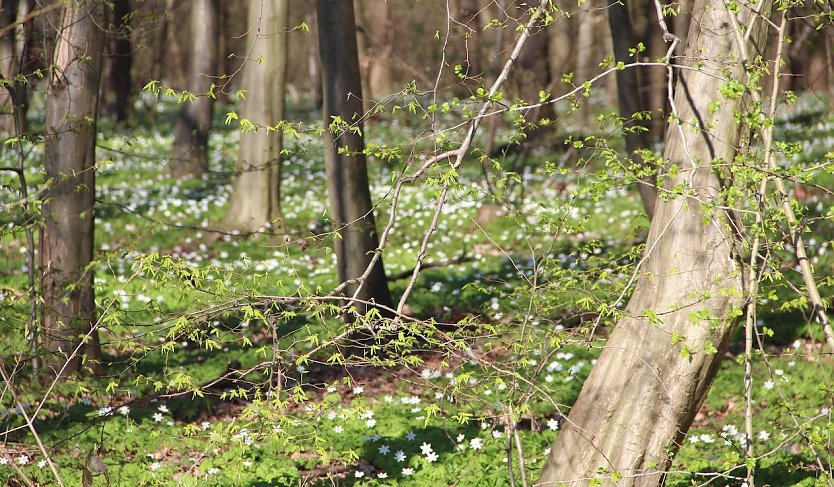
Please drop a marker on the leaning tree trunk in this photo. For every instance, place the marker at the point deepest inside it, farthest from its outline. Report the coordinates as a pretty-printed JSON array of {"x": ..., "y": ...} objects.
[
  {"x": 347, "y": 173},
  {"x": 189, "y": 157},
  {"x": 628, "y": 96},
  {"x": 255, "y": 199},
  {"x": 69, "y": 150},
  {"x": 654, "y": 373}
]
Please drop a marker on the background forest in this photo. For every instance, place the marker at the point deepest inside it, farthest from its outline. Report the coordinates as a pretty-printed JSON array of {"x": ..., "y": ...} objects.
[{"x": 416, "y": 242}]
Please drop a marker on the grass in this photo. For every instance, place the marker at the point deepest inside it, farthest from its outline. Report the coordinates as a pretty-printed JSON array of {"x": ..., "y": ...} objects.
[{"x": 173, "y": 296}]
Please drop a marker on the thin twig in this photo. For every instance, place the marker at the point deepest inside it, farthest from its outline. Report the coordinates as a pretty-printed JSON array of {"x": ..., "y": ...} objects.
[{"x": 29, "y": 422}]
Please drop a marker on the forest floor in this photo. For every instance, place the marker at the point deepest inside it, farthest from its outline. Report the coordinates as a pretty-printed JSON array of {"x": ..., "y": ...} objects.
[{"x": 182, "y": 306}]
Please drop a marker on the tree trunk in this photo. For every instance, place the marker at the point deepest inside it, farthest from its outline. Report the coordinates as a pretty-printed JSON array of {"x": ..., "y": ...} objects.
[
  {"x": 121, "y": 61},
  {"x": 380, "y": 33},
  {"x": 347, "y": 174},
  {"x": 189, "y": 157},
  {"x": 255, "y": 199},
  {"x": 14, "y": 94},
  {"x": 313, "y": 67},
  {"x": 653, "y": 374},
  {"x": 69, "y": 150},
  {"x": 628, "y": 96},
  {"x": 586, "y": 59}
]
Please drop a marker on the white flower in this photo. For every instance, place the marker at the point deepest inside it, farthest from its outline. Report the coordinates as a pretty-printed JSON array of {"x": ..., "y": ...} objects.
[
  {"x": 124, "y": 410},
  {"x": 205, "y": 425},
  {"x": 426, "y": 448},
  {"x": 359, "y": 474},
  {"x": 213, "y": 471},
  {"x": 163, "y": 408},
  {"x": 779, "y": 372},
  {"x": 358, "y": 390},
  {"x": 154, "y": 466},
  {"x": 706, "y": 438},
  {"x": 384, "y": 449},
  {"x": 764, "y": 435},
  {"x": 338, "y": 429},
  {"x": 370, "y": 423},
  {"x": 476, "y": 443},
  {"x": 399, "y": 456},
  {"x": 388, "y": 399},
  {"x": 461, "y": 437},
  {"x": 105, "y": 411},
  {"x": 158, "y": 417},
  {"x": 41, "y": 463},
  {"x": 431, "y": 456},
  {"x": 768, "y": 385},
  {"x": 382, "y": 475},
  {"x": 247, "y": 463},
  {"x": 4, "y": 461},
  {"x": 553, "y": 424},
  {"x": 497, "y": 434},
  {"x": 23, "y": 459},
  {"x": 410, "y": 436},
  {"x": 408, "y": 471}
]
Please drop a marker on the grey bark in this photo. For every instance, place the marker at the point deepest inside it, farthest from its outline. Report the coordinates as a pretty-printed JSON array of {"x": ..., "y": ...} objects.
[
  {"x": 347, "y": 174},
  {"x": 628, "y": 97},
  {"x": 189, "y": 157},
  {"x": 639, "y": 401},
  {"x": 256, "y": 195},
  {"x": 69, "y": 158}
]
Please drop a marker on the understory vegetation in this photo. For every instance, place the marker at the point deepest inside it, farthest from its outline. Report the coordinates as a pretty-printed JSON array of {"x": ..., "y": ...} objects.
[{"x": 214, "y": 341}]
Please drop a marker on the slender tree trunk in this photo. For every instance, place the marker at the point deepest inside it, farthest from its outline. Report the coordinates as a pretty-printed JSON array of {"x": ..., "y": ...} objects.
[
  {"x": 641, "y": 397},
  {"x": 69, "y": 150},
  {"x": 380, "y": 33},
  {"x": 628, "y": 96},
  {"x": 189, "y": 158},
  {"x": 347, "y": 173},
  {"x": 12, "y": 56},
  {"x": 255, "y": 199},
  {"x": 586, "y": 59},
  {"x": 313, "y": 62},
  {"x": 121, "y": 61}
]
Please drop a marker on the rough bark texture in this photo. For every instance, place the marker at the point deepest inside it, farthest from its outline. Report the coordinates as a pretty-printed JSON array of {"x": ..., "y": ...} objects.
[
  {"x": 189, "y": 158},
  {"x": 121, "y": 61},
  {"x": 255, "y": 199},
  {"x": 14, "y": 94},
  {"x": 628, "y": 97},
  {"x": 641, "y": 397},
  {"x": 69, "y": 150},
  {"x": 347, "y": 173}
]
